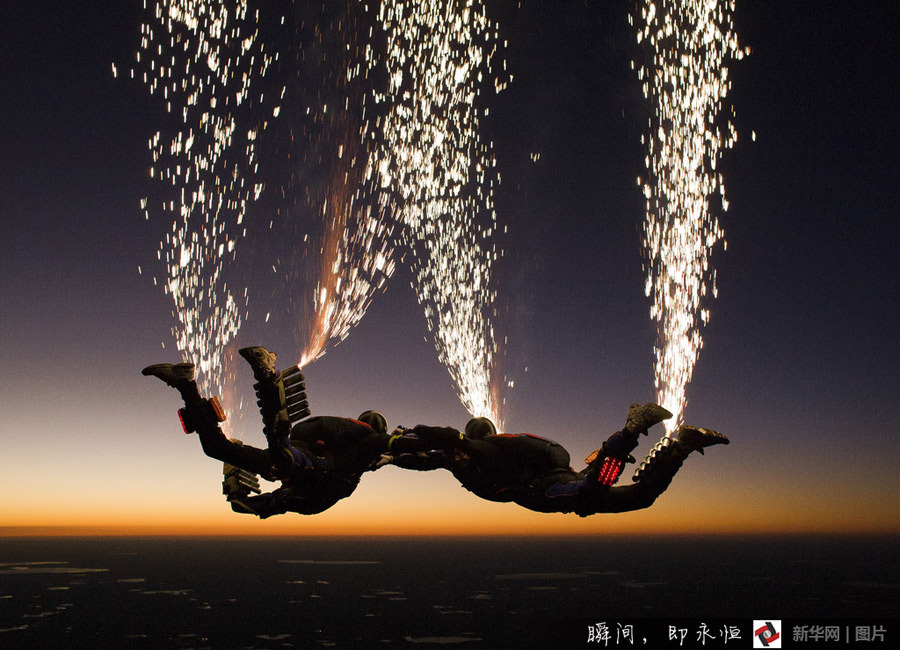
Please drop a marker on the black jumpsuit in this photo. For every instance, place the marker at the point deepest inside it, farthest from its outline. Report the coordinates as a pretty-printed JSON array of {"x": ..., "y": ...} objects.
[
  {"x": 528, "y": 470},
  {"x": 320, "y": 464}
]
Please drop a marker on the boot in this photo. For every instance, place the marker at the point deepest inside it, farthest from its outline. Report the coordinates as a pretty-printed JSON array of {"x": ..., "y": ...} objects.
[
  {"x": 643, "y": 416},
  {"x": 695, "y": 439},
  {"x": 179, "y": 376},
  {"x": 175, "y": 375},
  {"x": 261, "y": 360}
]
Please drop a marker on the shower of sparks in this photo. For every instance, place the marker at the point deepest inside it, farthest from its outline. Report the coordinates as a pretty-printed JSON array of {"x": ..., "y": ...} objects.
[
  {"x": 204, "y": 60},
  {"x": 356, "y": 249},
  {"x": 269, "y": 198},
  {"x": 690, "y": 42},
  {"x": 355, "y": 257},
  {"x": 440, "y": 177}
]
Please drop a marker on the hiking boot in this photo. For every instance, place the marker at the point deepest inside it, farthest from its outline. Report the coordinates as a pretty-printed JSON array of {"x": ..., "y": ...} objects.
[
  {"x": 643, "y": 416},
  {"x": 261, "y": 360},
  {"x": 177, "y": 375},
  {"x": 695, "y": 439}
]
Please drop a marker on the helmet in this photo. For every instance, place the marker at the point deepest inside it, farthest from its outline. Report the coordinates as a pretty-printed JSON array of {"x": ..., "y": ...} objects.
[
  {"x": 479, "y": 428},
  {"x": 375, "y": 420}
]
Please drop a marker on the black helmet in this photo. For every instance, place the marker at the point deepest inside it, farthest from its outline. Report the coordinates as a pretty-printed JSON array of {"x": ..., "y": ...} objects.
[
  {"x": 375, "y": 420},
  {"x": 479, "y": 428}
]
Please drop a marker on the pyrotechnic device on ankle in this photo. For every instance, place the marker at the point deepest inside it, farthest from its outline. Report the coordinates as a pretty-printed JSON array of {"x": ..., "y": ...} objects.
[{"x": 192, "y": 418}]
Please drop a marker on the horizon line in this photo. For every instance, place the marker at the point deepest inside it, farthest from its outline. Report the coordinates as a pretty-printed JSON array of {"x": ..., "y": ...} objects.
[{"x": 45, "y": 532}]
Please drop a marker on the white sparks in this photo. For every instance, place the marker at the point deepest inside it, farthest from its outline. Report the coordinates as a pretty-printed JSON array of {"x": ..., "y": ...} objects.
[
  {"x": 356, "y": 248},
  {"x": 208, "y": 62},
  {"x": 192, "y": 50},
  {"x": 440, "y": 177},
  {"x": 690, "y": 42},
  {"x": 325, "y": 159}
]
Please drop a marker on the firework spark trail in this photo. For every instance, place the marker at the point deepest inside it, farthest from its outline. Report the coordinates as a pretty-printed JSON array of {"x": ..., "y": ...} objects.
[
  {"x": 441, "y": 177},
  {"x": 204, "y": 59},
  {"x": 326, "y": 198},
  {"x": 690, "y": 42},
  {"x": 355, "y": 254},
  {"x": 258, "y": 102},
  {"x": 357, "y": 248}
]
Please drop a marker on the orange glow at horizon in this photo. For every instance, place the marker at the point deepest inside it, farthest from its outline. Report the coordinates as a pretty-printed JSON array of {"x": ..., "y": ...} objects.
[{"x": 429, "y": 506}]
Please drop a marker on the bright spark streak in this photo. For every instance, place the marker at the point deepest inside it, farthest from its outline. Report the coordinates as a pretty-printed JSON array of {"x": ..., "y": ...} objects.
[
  {"x": 353, "y": 254},
  {"x": 441, "y": 178},
  {"x": 356, "y": 256},
  {"x": 690, "y": 42}
]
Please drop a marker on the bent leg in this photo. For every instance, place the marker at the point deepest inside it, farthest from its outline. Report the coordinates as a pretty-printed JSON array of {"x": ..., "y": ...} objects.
[
  {"x": 216, "y": 445},
  {"x": 558, "y": 491},
  {"x": 270, "y": 391},
  {"x": 273, "y": 407},
  {"x": 604, "y": 466},
  {"x": 659, "y": 470},
  {"x": 655, "y": 473},
  {"x": 276, "y": 462}
]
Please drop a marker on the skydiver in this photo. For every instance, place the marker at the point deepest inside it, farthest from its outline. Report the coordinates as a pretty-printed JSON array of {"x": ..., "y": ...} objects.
[
  {"x": 318, "y": 461},
  {"x": 535, "y": 472}
]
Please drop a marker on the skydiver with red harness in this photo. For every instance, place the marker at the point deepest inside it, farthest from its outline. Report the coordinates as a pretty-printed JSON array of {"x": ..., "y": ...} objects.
[
  {"x": 535, "y": 472},
  {"x": 318, "y": 460}
]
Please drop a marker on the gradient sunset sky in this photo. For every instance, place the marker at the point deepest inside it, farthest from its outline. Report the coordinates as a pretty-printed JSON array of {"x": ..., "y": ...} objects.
[{"x": 799, "y": 367}]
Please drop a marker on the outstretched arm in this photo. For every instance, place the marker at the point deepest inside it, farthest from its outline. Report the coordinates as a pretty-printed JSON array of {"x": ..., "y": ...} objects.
[
  {"x": 422, "y": 461},
  {"x": 423, "y": 438}
]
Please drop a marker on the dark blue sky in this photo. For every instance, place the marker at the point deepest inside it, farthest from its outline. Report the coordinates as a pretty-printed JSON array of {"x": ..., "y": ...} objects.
[{"x": 800, "y": 364}]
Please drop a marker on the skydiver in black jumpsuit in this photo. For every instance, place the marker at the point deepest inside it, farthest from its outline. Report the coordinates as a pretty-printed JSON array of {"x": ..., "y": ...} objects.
[
  {"x": 535, "y": 473},
  {"x": 318, "y": 461}
]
